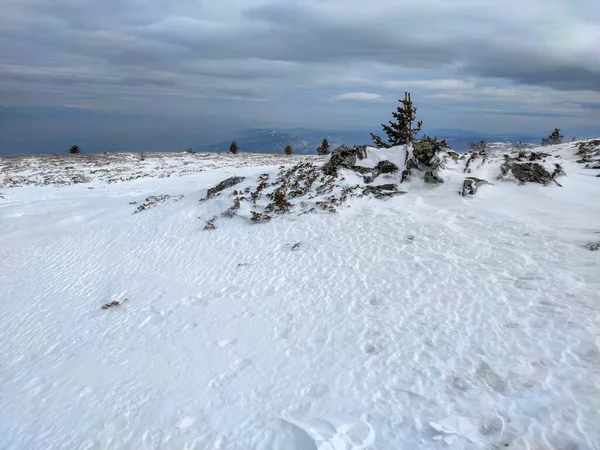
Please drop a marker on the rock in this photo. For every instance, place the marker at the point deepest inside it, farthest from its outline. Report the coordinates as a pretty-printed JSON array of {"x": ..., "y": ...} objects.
[
  {"x": 362, "y": 170},
  {"x": 424, "y": 151},
  {"x": 472, "y": 158},
  {"x": 225, "y": 184},
  {"x": 432, "y": 176},
  {"x": 558, "y": 171},
  {"x": 406, "y": 173},
  {"x": 386, "y": 166},
  {"x": 361, "y": 151},
  {"x": 471, "y": 184},
  {"x": 593, "y": 246},
  {"x": 587, "y": 166},
  {"x": 535, "y": 156},
  {"x": 341, "y": 157},
  {"x": 531, "y": 172},
  {"x": 383, "y": 191}
]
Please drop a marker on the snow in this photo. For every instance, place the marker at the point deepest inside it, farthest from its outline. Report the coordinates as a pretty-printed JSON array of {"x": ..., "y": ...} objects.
[{"x": 426, "y": 321}]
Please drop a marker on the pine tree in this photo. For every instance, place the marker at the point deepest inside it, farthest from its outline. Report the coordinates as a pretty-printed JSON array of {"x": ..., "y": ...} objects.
[
  {"x": 323, "y": 149},
  {"x": 74, "y": 150},
  {"x": 402, "y": 131},
  {"x": 288, "y": 150},
  {"x": 234, "y": 148},
  {"x": 554, "y": 138}
]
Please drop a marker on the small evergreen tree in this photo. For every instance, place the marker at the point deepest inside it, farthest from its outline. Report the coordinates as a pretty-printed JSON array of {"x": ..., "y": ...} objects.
[
  {"x": 323, "y": 149},
  {"x": 234, "y": 148},
  {"x": 554, "y": 138},
  {"x": 288, "y": 150},
  {"x": 401, "y": 131},
  {"x": 74, "y": 150}
]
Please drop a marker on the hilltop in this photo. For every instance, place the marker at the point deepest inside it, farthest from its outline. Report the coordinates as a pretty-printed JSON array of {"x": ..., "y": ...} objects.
[{"x": 410, "y": 297}]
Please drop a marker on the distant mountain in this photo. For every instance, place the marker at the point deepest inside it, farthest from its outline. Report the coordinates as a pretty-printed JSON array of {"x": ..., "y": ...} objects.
[{"x": 303, "y": 140}]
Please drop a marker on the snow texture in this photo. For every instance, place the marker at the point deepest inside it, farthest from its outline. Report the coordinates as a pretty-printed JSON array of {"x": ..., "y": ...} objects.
[{"x": 425, "y": 321}]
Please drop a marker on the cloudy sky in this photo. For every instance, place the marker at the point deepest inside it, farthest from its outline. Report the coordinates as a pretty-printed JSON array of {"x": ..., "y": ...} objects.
[{"x": 495, "y": 66}]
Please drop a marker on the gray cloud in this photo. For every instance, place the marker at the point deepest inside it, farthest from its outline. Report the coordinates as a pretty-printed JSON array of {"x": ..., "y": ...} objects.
[{"x": 289, "y": 54}]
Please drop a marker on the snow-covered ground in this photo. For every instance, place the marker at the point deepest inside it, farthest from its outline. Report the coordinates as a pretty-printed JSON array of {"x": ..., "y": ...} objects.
[{"x": 425, "y": 321}]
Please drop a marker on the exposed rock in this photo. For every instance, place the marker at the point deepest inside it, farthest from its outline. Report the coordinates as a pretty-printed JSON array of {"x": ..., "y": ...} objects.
[
  {"x": 225, "y": 184},
  {"x": 386, "y": 166},
  {"x": 592, "y": 167},
  {"x": 535, "y": 156},
  {"x": 406, "y": 173},
  {"x": 383, "y": 191},
  {"x": 472, "y": 158},
  {"x": 471, "y": 184},
  {"x": 432, "y": 176},
  {"x": 361, "y": 151},
  {"x": 593, "y": 246},
  {"x": 531, "y": 173},
  {"x": 341, "y": 157},
  {"x": 558, "y": 172},
  {"x": 370, "y": 173},
  {"x": 362, "y": 170}
]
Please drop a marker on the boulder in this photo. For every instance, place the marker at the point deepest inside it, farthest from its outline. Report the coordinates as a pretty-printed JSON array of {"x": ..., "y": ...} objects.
[
  {"x": 386, "y": 166},
  {"x": 361, "y": 151},
  {"x": 531, "y": 172},
  {"x": 341, "y": 157},
  {"x": 225, "y": 184},
  {"x": 432, "y": 176},
  {"x": 383, "y": 191},
  {"x": 471, "y": 184}
]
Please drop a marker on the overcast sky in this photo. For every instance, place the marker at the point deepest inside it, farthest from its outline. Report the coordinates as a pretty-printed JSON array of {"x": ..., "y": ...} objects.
[{"x": 496, "y": 66}]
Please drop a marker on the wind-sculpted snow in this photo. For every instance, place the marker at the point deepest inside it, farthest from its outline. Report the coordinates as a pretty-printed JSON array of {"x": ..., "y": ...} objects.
[{"x": 426, "y": 320}]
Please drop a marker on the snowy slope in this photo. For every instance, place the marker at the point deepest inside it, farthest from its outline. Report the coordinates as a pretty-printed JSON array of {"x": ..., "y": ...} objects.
[{"x": 426, "y": 321}]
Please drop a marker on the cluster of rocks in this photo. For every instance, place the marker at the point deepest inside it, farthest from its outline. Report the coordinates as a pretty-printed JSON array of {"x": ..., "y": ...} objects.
[
  {"x": 589, "y": 153},
  {"x": 306, "y": 187},
  {"x": 530, "y": 172}
]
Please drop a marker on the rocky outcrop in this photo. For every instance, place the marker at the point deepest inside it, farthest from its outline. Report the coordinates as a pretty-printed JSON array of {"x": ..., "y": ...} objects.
[
  {"x": 593, "y": 246},
  {"x": 433, "y": 176},
  {"x": 225, "y": 184},
  {"x": 383, "y": 191},
  {"x": 471, "y": 185},
  {"x": 342, "y": 157},
  {"x": 386, "y": 166},
  {"x": 529, "y": 172}
]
